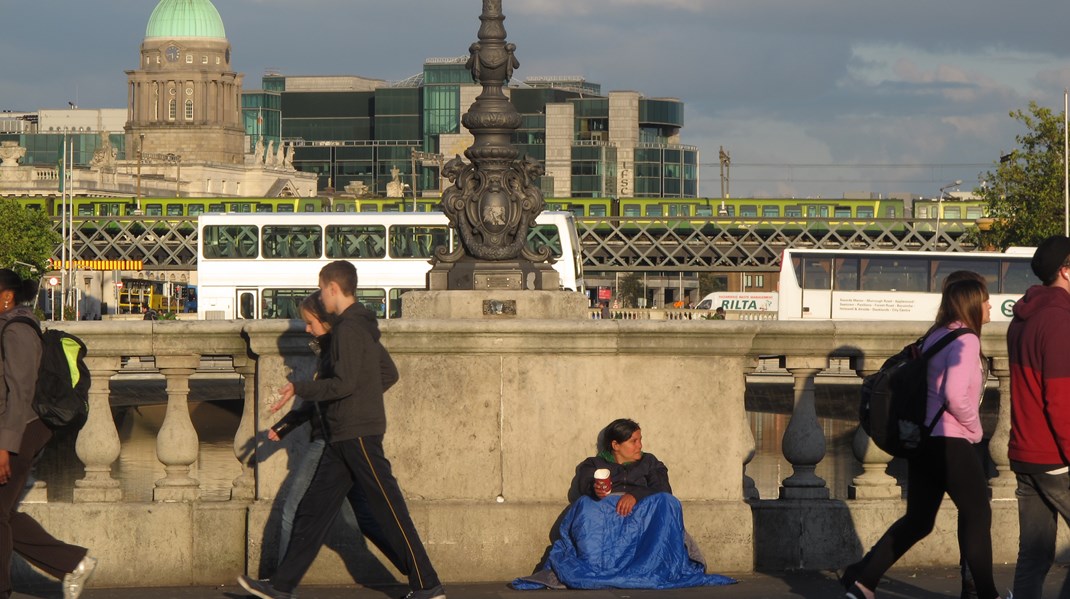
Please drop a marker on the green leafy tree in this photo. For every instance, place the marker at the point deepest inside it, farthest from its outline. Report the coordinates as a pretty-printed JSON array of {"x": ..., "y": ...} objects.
[
  {"x": 1025, "y": 191},
  {"x": 709, "y": 282},
  {"x": 26, "y": 238},
  {"x": 631, "y": 289}
]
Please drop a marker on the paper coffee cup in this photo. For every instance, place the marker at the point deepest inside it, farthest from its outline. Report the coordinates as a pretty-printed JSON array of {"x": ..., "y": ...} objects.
[
  {"x": 601, "y": 473},
  {"x": 602, "y": 485}
]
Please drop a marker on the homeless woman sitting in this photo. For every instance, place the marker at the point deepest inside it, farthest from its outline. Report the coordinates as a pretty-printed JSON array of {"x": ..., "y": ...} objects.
[{"x": 625, "y": 529}]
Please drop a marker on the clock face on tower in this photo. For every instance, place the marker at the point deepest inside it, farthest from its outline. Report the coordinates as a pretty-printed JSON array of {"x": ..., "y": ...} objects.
[{"x": 172, "y": 53}]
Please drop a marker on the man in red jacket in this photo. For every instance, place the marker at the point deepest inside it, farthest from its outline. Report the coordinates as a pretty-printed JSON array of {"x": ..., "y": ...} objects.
[{"x": 1038, "y": 343}]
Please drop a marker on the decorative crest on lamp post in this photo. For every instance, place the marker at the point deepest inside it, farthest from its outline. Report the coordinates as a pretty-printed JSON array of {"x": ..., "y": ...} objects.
[{"x": 494, "y": 199}]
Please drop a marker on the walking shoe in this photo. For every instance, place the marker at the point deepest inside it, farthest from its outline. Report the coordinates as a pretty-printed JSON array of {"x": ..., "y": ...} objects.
[
  {"x": 74, "y": 582},
  {"x": 437, "y": 592},
  {"x": 263, "y": 589}
]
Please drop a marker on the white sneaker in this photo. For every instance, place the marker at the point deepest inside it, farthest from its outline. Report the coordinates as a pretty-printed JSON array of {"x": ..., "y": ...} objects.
[{"x": 74, "y": 582}]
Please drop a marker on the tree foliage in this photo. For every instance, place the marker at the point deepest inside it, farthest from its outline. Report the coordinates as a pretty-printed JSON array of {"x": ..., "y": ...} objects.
[
  {"x": 631, "y": 289},
  {"x": 26, "y": 236},
  {"x": 1025, "y": 191}
]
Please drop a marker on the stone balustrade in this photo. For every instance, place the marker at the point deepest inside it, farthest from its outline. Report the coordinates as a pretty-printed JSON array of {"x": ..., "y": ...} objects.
[
  {"x": 485, "y": 428},
  {"x": 678, "y": 314}
]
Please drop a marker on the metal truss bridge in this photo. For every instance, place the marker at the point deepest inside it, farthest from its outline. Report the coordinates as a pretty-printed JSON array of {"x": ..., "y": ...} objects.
[{"x": 609, "y": 244}]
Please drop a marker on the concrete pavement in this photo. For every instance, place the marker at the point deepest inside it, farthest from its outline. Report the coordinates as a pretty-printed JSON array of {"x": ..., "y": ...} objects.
[{"x": 931, "y": 583}]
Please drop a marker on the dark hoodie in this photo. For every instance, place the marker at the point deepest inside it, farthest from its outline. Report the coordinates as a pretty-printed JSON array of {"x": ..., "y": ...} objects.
[
  {"x": 351, "y": 387},
  {"x": 1038, "y": 345}
]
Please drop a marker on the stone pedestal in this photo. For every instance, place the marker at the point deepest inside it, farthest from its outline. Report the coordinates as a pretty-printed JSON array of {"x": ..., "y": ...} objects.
[
  {"x": 470, "y": 274},
  {"x": 494, "y": 305}
]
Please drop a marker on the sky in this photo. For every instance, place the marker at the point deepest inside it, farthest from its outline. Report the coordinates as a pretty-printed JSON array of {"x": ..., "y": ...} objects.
[{"x": 810, "y": 98}]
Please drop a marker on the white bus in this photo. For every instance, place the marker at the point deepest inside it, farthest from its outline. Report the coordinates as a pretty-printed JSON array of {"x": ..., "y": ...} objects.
[
  {"x": 744, "y": 301},
  {"x": 875, "y": 285},
  {"x": 262, "y": 265}
]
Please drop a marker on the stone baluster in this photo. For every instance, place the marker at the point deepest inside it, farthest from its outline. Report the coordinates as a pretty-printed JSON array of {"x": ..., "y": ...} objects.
[
  {"x": 748, "y": 445},
  {"x": 804, "y": 441},
  {"x": 245, "y": 437},
  {"x": 98, "y": 441},
  {"x": 1004, "y": 484},
  {"x": 177, "y": 445},
  {"x": 874, "y": 482}
]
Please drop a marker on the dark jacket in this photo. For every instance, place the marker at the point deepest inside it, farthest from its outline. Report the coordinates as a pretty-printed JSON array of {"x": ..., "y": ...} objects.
[
  {"x": 1038, "y": 344},
  {"x": 641, "y": 479},
  {"x": 351, "y": 395},
  {"x": 18, "y": 377},
  {"x": 308, "y": 411}
]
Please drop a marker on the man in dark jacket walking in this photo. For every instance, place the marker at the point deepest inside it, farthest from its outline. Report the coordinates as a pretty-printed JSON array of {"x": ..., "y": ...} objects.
[
  {"x": 1038, "y": 344},
  {"x": 351, "y": 402}
]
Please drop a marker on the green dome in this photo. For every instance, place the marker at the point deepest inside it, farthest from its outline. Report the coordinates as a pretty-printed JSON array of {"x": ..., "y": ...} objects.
[{"x": 185, "y": 18}]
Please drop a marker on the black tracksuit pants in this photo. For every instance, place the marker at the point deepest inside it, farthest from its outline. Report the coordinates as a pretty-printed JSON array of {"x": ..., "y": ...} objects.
[{"x": 357, "y": 469}]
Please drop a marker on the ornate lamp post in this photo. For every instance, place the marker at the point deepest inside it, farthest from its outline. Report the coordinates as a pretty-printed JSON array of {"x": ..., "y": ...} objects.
[{"x": 494, "y": 199}]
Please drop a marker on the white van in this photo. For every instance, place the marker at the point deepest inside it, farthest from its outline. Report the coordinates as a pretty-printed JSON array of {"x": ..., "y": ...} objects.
[{"x": 758, "y": 301}]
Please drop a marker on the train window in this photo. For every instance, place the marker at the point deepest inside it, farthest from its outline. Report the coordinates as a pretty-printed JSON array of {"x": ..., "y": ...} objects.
[
  {"x": 653, "y": 210},
  {"x": 770, "y": 210},
  {"x": 391, "y": 208},
  {"x": 679, "y": 210},
  {"x": 556, "y": 206},
  {"x": 842, "y": 212},
  {"x": 547, "y": 235},
  {"x": 356, "y": 241},
  {"x": 817, "y": 211},
  {"x": 703, "y": 210},
  {"x": 264, "y": 207},
  {"x": 174, "y": 210},
  {"x": 954, "y": 212},
  {"x": 216, "y": 208},
  {"x": 85, "y": 209},
  {"x": 292, "y": 241},
  {"x": 241, "y": 207},
  {"x": 374, "y": 300},
  {"x": 748, "y": 210},
  {"x": 923, "y": 212},
  {"x": 726, "y": 210},
  {"x": 229, "y": 241},
  {"x": 340, "y": 208},
  {"x": 577, "y": 211},
  {"x": 111, "y": 209},
  {"x": 308, "y": 207},
  {"x": 283, "y": 303},
  {"x": 369, "y": 208},
  {"x": 973, "y": 213},
  {"x": 631, "y": 210},
  {"x": 793, "y": 211},
  {"x": 891, "y": 212},
  {"x": 865, "y": 211},
  {"x": 195, "y": 209},
  {"x": 417, "y": 241},
  {"x": 153, "y": 209},
  {"x": 597, "y": 209},
  {"x": 287, "y": 208}
]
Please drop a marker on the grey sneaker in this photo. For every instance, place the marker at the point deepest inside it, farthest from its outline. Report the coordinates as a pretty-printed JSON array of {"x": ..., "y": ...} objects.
[
  {"x": 74, "y": 582},
  {"x": 437, "y": 592},
  {"x": 263, "y": 589}
]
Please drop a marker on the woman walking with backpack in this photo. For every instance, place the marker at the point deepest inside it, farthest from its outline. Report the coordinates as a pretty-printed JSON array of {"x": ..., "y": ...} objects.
[
  {"x": 22, "y": 437},
  {"x": 947, "y": 461}
]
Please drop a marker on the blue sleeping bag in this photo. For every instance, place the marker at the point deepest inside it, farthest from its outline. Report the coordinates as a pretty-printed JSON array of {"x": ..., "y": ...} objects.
[{"x": 601, "y": 549}]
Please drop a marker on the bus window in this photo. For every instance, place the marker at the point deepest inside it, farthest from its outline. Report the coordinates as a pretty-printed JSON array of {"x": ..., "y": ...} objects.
[
  {"x": 748, "y": 210},
  {"x": 374, "y": 300},
  {"x": 770, "y": 211},
  {"x": 653, "y": 210},
  {"x": 292, "y": 241},
  {"x": 795, "y": 211},
  {"x": 1017, "y": 276},
  {"x": 846, "y": 274},
  {"x": 841, "y": 211},
  {"x": 989, "y": 269},
  {"x": 394, "y": 310},
  {"x": 631, "y": 210},
  {"x": 356, "y": 241},
  {"x": 229, "y": 241},
  {"x": 894, "y": 274},
  {"x": 174, "y": 210},
  {"x": 153, "y": 210},
  {"x": 195, "y": 209},
  {"x": 812, "y": 273},
  {"x": 283, "y": 303},
  {"x": 408, "y": 241},
  {"x": 246, "y": 304},
  {"x": 547, "y": 235},
  {"x": 216, "y": 208}
]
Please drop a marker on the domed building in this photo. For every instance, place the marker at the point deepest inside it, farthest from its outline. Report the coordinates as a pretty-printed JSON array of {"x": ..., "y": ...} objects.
[{"x": 185, "y": 99}]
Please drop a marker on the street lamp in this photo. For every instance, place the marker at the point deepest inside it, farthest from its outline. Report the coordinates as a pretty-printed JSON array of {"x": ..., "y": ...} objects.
[{"x": 940, "y": 205}]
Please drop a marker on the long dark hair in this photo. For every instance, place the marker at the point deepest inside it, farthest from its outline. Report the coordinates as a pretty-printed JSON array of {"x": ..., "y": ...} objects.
[
  {"x": 962, "y": 301},
  {"x": 24, "y": 290},
  {"x": 313, "y": 304},
  {"x": 620, "y": 430}
]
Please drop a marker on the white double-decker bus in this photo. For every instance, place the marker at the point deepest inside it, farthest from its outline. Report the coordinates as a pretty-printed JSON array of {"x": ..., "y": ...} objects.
[
  {"x": 252, "y": 266},
  {"x": 875, "y": 285}
]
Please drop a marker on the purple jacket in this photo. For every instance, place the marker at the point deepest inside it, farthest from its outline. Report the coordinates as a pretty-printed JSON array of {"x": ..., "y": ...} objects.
[{"x": 955, "y": 376}]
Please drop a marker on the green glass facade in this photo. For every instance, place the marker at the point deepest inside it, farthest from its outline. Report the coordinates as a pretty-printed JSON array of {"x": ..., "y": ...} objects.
[
  {"x": 45, "y": 149},
  {"x": 262, "y": 116}
]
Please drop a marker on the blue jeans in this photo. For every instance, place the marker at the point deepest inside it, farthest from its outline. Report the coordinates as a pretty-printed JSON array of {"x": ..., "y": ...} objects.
[
  {"x": 300, "y": 477},
  {"x": 1042, "y": 498}
]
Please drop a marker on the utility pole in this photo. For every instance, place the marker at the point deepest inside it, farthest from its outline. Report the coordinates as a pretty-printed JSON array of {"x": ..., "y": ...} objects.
[{"x": 726, "y": 163}]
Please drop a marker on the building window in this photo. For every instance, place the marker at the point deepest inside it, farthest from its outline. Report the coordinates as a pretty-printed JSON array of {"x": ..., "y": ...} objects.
[
  {"x": 148, "y": 59},
  {"x": 204, "y": 59},
  {"x": 189, "y": 110},
  {"x": 157, "y": 59},
  {"x": 189, "y": 59},
  {"x": 217, "y": 60},
  {"x": 172, "y": 109}
]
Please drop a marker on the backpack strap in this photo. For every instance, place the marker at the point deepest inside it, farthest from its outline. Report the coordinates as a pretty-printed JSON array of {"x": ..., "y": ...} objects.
[
  {"x": 932, "y": 351},
  {"x": 24, "y": 320}
]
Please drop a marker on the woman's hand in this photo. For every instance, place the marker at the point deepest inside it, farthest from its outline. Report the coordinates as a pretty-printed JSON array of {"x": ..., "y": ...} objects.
[
  {"x": 286, "y": 393},
  {"x": 272, "y": 435},
  {"x": 626, "y": 504}
]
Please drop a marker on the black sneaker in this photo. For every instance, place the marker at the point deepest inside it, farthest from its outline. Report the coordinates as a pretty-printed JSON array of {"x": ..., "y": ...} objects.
[
  {"x": 437, "y": 592},
  {"x": 263, "y": 589}
]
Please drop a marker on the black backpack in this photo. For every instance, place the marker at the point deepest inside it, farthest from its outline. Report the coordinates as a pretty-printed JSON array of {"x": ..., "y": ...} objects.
[
  {"x": 893, "y": 399},
  {"x": 61, "y": 398}
]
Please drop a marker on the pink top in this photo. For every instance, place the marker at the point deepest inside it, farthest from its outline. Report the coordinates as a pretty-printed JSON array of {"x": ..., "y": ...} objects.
[{"x": 955, "y": 376}]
